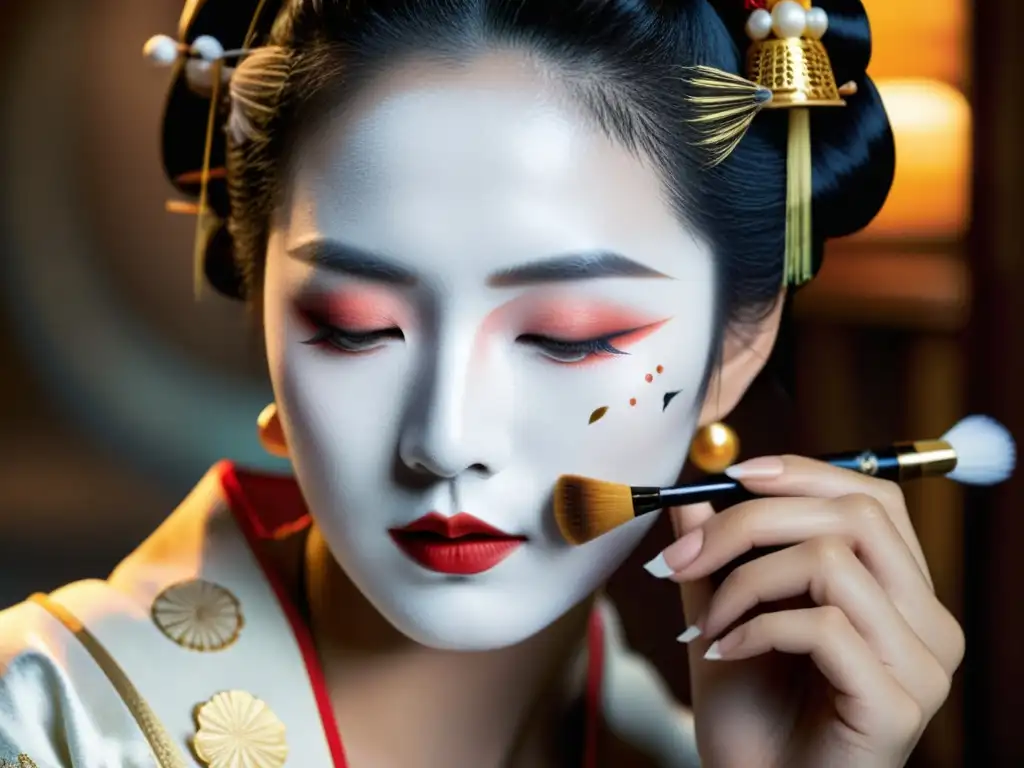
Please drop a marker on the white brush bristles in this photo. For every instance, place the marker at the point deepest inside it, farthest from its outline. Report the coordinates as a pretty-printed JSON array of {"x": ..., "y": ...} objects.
[{"x": 985, "y": 451}]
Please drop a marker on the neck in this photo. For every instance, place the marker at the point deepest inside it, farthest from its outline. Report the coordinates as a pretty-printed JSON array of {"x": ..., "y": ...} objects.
[{"x": 467, "y": 708}]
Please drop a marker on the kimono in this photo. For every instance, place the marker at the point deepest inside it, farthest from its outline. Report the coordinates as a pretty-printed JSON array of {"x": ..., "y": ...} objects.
[{"x": 165, "y": 663}]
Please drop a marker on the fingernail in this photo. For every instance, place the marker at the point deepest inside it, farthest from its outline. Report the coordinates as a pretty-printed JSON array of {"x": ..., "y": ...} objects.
[
  {"x": 658, "y": 568},
  {"x": 713, "y": 652},
  {"x": 683, "y": 552},
  {"x": 764, "y": 466},
  {"x": 691, "y": 634}
]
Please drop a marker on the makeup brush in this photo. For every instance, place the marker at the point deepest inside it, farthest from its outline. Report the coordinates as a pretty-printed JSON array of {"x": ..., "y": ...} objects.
[{"x": 977, "y": 451}]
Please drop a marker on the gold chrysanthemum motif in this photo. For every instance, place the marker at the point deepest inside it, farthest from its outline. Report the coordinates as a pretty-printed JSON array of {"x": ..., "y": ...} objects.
[
  {"x": 23, "y": 761},
  {"x": 237, "y": 730},
  {"x": 198, "y": 615}
]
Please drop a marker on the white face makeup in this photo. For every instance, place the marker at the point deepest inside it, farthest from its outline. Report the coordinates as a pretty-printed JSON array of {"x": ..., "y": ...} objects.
[{"x": 437, "y": 357}]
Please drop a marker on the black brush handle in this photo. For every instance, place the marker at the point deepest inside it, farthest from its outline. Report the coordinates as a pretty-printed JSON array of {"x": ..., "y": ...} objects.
[{"x": 883, "y": 463}]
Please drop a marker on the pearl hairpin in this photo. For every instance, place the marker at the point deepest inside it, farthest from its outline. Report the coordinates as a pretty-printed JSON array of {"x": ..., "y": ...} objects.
[
  {"x": 164, "y": 50},
  {"x": 788, "y": 19}
]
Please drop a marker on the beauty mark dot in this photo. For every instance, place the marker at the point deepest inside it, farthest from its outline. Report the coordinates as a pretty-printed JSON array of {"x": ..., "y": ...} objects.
[
  {"x": 632, "y": 401},
  {"x": 660, "y": 369},
  {"x": 598, "y": 414},
  {"x": 649, "y": 378}
]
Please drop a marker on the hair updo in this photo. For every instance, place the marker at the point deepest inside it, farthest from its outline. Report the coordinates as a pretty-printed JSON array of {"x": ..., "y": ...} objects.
[{"x": 619, "y": 58}]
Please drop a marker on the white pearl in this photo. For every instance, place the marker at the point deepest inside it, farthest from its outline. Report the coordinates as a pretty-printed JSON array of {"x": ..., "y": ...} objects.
[
  {"x": 817, "y": 23},
  {"x": 759, "y": 25},
  {"x": 161, "y": 50},
  {"x": 789, "y": 19},
  {"x": 207, "y": 48}
]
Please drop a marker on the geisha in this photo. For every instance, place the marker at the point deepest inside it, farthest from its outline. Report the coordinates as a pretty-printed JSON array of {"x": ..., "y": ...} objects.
[{"x": 489, "y": 243}]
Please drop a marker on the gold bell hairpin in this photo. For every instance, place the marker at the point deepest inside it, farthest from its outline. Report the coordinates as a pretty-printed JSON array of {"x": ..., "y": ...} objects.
[
  {"x": 788, "y": 58},
  {"x": 787, "y": 68}
]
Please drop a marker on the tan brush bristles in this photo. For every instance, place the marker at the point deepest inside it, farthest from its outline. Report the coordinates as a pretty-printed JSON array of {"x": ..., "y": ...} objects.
[{"x": 586, "y": 509}]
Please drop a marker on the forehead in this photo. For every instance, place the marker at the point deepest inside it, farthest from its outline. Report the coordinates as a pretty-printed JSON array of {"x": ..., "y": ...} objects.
[{"x": 473, "y": 166}]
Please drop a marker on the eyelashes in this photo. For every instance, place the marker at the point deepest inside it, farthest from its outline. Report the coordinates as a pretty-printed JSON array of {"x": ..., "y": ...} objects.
[
  {"x": 569, "y": 352},
  {"x": 563, "y": 351},
  {"x": 351, "y": 342}
]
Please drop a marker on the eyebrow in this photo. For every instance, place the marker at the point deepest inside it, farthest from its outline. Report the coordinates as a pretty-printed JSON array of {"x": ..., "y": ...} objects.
[
  {"x": 354, "y": 262},
  {"x": 367, "y": 265},
  {"x": 585, "y": 265}
]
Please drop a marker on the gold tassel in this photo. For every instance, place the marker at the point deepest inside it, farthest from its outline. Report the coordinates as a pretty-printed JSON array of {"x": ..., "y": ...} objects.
[
  {"x": 206, "y": 222},
  {"x": 799, "y": 195},
  {"x": 724, "y": 105}
]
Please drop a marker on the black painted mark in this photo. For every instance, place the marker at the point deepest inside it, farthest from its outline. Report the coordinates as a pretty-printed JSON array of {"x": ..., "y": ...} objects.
[{"x": 669, "y": 396}]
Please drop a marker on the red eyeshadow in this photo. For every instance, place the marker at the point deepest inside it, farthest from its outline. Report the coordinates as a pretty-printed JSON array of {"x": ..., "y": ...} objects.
[
  {"x": 362, "y": 310},
  {"x": 576, "y": 321}
]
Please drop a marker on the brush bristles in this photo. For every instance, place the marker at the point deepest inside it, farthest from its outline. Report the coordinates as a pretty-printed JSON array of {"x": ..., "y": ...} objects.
[
  {"x": 586, "y": 509},
  {"x": 985, "y": 451}
]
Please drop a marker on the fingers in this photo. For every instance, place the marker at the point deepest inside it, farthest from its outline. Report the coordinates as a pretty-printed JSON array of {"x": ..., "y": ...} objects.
[
  {"x": 859, "y": 519},
  {"x": 695, "y": 593},
  {"x": 800, "y": 476},
  {"x": 828, "y": 571},
  {"x": 869, "y": 700}
]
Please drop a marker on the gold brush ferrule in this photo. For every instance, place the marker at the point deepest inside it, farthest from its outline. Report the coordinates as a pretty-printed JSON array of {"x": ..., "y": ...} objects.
[{"x": 925, "y": 458}]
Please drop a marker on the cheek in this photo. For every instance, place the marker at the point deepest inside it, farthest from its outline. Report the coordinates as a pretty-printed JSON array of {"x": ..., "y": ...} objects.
[
  {"x": 327, "y": 397},
  {"x": 610, "y": 420}
]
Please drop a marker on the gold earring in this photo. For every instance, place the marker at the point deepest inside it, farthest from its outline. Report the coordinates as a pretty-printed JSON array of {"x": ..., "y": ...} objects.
[
  {"x": 271, "y": 434},
  {"x": 714, "y": 448}
]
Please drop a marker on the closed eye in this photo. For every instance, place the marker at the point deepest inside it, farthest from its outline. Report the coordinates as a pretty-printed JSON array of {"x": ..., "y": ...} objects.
[
  {"x": 351, "y": 342},
  {"x": 574, "y": 351}
]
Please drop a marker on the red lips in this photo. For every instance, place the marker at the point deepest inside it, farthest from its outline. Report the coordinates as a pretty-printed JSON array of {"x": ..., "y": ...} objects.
[{"x": 461, "y": 545}]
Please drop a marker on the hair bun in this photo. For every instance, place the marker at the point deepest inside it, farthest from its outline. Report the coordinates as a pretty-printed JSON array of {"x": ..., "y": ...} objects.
[
  {"x": 185, "y": 122},
  {"x": 854, "y": 156},
  {"x": 219, "y": 264},
  {"x": 854, "y": 152}
]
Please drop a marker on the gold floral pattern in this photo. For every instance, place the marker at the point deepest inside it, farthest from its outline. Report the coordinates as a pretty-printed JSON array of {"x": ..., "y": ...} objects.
[
  {"x": 237, "y": 730},
  {"x": 22, "y": 761},
  {"x": 198, "y": 615}
]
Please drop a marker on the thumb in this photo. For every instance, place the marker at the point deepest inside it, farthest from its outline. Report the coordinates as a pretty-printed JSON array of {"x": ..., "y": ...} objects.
[{"x": 696, "y": 594}]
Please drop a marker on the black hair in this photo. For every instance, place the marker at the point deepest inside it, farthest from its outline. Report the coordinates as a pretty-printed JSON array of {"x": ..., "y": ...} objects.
[{"x": 620, "y": 58}]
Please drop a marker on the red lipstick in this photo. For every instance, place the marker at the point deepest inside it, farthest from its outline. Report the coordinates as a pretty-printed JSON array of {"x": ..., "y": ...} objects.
[{"x": 461, "y": 545}]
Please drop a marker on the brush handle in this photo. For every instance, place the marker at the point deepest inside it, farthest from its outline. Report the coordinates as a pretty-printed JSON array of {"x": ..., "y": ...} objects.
[{"x": 893, "y": 462}]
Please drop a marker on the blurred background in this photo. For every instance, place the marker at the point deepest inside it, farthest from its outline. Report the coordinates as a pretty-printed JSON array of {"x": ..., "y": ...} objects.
[{"x": 118, "y": 390}]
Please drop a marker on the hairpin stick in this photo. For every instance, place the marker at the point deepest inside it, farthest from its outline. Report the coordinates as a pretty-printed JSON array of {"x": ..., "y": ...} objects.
[
  {"x": 195, "y": 177},
  {"x": 181, "y": 206}
]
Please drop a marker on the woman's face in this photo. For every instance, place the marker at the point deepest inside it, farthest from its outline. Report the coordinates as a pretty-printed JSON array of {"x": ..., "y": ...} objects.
[{"x": 465, "y": 276}]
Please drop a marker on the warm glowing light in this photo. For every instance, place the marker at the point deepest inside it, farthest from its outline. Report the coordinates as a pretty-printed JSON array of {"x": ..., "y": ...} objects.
[
  {"x": 930, "y": 198},
  {"x": 914, "y": 39}
]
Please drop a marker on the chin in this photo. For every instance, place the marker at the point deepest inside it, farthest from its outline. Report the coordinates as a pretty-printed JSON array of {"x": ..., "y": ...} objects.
[{"x": 478, "y": 623}]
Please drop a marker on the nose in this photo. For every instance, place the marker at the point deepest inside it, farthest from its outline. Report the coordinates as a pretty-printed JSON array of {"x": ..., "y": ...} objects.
[{"x": 460, "y": 415}]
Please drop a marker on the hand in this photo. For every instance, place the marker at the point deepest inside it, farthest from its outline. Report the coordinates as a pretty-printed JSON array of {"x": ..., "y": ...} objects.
[{"x": 833, "y": 651}]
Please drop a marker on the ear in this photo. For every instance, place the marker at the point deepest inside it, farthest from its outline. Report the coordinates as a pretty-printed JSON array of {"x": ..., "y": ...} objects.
[{"x": 745, "y": 350}]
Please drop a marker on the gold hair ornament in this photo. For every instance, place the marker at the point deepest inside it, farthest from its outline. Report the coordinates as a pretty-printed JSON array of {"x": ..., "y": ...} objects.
[
  {"x": 787, "y": 68},
  {"x": 724, "y": 106}
]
